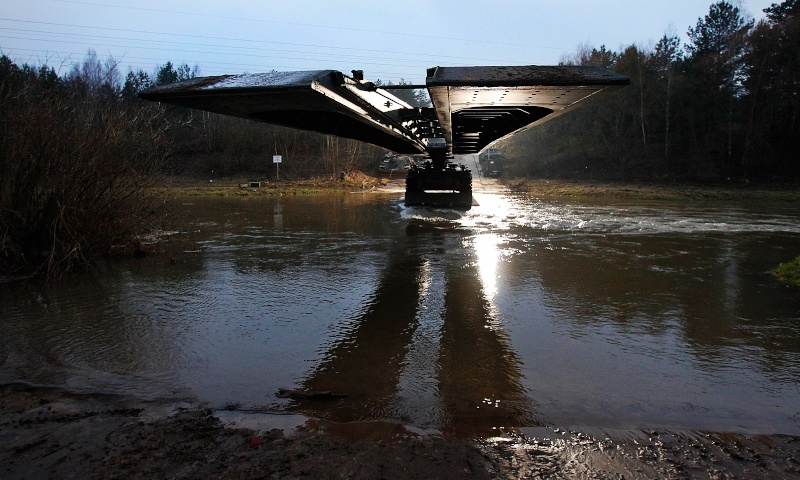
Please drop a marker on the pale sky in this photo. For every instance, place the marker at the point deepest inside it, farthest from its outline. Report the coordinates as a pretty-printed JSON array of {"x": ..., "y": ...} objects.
[{"x": 389, "y": 40}]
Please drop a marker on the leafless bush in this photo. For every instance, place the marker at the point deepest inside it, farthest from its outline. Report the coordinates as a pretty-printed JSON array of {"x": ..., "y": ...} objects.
[{"x": 74, "y": 167}]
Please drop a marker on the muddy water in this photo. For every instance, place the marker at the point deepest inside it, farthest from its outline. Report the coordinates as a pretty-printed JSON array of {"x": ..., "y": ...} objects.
[{"x": 516, "y": 313}]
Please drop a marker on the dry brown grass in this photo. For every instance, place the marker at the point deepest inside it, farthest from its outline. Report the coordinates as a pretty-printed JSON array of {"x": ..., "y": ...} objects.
[
  {"x": 74, "y": 172},
  {"x": 231, "y": 187},
  {"x": 544, "y": 188}
]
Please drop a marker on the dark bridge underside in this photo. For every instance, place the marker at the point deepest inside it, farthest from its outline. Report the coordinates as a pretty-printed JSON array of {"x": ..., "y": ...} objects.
[
  {"x": 477, "y": 106},
  {"x": 475, "y": 128}
]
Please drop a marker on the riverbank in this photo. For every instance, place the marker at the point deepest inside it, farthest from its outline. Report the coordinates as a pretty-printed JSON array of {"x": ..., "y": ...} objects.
[
  {"x": 46, "y": 433},
  {"x": 550, "y": 189},
  {"x": 254, "y": 187},
  {"x": 542, "y": 188}
]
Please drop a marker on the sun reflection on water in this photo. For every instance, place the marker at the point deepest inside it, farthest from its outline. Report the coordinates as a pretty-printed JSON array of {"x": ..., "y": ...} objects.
[{"x": 488, "y": 255}]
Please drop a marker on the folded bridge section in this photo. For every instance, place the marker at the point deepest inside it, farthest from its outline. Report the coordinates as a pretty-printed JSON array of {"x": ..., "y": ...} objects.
[{"x": 473, "y": 107}]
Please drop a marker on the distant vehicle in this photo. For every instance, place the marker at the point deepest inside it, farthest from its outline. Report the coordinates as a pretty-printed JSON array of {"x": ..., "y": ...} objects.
[
  {"x": 395, "y": 163},
  {"x": 491, "y": 161}
]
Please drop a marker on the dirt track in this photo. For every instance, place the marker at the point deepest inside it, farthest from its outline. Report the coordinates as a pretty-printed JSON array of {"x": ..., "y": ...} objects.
[{"x": 52, "y": 434}]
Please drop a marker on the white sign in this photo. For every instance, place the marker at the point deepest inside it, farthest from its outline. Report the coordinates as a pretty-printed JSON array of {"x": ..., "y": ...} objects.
[{"x": 276, "y": 159}]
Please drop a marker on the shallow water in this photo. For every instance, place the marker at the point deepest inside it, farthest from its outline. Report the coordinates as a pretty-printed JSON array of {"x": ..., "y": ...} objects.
[{"x": 515, "y": 313}]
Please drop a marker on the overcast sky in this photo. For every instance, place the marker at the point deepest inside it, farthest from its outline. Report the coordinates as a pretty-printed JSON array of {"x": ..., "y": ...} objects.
[{"x": 389, "y": 40}]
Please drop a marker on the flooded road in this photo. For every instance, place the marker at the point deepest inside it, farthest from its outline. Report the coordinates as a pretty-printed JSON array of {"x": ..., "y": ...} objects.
[{"x": 516, "y": 313}]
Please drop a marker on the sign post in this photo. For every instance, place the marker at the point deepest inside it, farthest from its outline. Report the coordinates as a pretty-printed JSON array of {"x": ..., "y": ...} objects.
[{"x": 276, "y": 159}]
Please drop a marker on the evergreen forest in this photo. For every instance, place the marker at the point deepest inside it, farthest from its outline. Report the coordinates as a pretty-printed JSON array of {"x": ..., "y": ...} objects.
[{"x": 722, "y": 107}]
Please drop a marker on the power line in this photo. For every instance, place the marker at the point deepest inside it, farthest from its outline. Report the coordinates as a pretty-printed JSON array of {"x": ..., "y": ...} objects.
[
  {"x": 298, "y": 55},
  {"x": 333, "y": 27},
  {"x": 214, "y": 45},
  {"x": 301, "y": 59},
  {"x": 318, "y": 57},
  {"x": 247, "y": 40},
  {"x": 206, "y": 67}
]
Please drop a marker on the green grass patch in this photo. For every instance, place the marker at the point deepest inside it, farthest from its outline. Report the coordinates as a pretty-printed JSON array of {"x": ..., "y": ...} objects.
[{"x": 788, "y": 272}]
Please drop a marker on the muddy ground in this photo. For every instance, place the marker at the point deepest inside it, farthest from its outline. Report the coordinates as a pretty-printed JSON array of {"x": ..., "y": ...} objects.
[{"x": 47, "y": 433}]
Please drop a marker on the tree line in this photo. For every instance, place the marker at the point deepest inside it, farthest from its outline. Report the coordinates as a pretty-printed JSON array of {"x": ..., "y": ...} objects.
[
  {"x": 75, "y": 162},
  {"x": 78, "y": 152},
  {"x": 723, "y": 106}
]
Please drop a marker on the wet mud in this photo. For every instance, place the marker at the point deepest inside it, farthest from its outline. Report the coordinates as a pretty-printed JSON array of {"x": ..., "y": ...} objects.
[{"x": 47, "y": 433}]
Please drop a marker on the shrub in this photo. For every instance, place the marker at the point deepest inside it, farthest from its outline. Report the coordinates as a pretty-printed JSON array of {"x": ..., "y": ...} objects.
[
  {"x": 74, "y": 167},
  {"x": 788, "y": 272}
]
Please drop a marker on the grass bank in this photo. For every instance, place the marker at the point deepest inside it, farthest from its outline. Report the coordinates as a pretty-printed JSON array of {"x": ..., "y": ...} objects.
[
  {"x": 544, "y": 188},
  {"x": 241, "y": 187}
]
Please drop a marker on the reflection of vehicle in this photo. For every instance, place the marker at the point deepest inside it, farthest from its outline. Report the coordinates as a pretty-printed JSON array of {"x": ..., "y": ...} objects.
[{"x": 395, "y": 163}]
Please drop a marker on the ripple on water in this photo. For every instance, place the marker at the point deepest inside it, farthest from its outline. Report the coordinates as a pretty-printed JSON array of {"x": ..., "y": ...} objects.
[{"x": 571, "y": 313}]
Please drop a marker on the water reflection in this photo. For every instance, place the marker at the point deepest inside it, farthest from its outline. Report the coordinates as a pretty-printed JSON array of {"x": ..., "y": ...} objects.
[
  {"x": 514, "y": 313},
  {"x": 277, "y": 215},
  {"x": 488, "y": 254},
  {"x": 480, "y": 376},
  {"x": 684, "y": 315},
  {"x": 477, "y": 386}
]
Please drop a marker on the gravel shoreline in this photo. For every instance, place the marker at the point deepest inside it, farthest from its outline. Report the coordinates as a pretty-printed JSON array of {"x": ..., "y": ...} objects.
[{"x": 47, "y": 433}]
